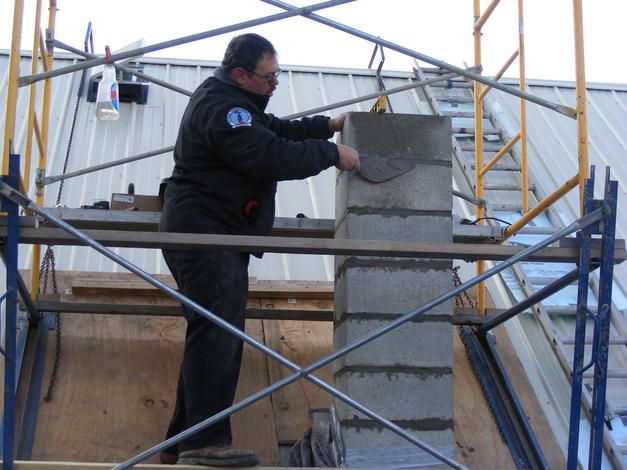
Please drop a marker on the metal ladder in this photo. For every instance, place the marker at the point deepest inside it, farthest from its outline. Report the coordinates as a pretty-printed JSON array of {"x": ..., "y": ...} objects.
[{"x": 556, "y": 315}]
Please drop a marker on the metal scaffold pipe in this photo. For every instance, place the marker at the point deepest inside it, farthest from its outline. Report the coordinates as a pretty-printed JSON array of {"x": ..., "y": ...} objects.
[
  {"x": 565, "y": 110},
  {"x": 27, "y": 80},
  {"x": 103, "y": 166},
  {"x": 130, "y": 71}
]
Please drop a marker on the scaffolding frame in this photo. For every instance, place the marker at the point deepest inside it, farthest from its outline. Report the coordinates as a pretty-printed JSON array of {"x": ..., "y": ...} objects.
[
  {"x": 602, "y": 214},
  {"x": 40, "y": 131}
]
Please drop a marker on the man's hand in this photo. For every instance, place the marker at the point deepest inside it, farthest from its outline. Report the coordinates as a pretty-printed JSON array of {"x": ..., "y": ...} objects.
[
  {"x": 337, "y": 124},
  {"x": 349, "y": 158}
]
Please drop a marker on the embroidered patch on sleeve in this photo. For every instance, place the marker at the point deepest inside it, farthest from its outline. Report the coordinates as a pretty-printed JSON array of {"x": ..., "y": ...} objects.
[{"x": 239, "y": 117}]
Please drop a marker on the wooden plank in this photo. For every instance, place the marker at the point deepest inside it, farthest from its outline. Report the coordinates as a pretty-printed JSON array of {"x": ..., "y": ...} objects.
[
  {"x": 478, "y": 442},
  {"x": 283, "y": 226},
  {"x": 148, "y": 221},
  {"x": 302, "y": 343},
  {"x": 291, "y": 289},
  {"x": 528, "y": 400},
  {"x": 308, "y": 314},
  {"x": 188, "y": 241},
  {"x": 256, "y": 289},
  {"x": 117, "y": 287},
  {"x": 254, "y": 427},
  {"x": 58, "y": 465}
]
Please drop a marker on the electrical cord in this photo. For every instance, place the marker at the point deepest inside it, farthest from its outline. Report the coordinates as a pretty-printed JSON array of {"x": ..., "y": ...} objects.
[{"x": 469, "y": 222}]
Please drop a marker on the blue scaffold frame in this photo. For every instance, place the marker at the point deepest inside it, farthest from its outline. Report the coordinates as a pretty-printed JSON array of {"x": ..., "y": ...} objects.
[
  {"x": 600, "y": 214},
  {"x": 10, "y": 330},
  {"x": 601, "y": 320}
]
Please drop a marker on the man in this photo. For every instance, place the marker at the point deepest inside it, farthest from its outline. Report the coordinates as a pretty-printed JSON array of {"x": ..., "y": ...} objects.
[{"x": 228, "y": 157}]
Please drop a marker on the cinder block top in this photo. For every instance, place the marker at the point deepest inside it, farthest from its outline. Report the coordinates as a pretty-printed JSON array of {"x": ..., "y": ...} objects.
[{"x": 406, "y": 136}]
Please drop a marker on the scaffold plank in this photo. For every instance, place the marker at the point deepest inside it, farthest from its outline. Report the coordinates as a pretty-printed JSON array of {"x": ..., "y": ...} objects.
[{"x": 190, "y": 241}]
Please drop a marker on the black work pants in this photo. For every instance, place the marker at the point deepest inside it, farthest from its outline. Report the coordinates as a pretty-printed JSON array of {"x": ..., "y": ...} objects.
[{"x": 218, "y": 281}]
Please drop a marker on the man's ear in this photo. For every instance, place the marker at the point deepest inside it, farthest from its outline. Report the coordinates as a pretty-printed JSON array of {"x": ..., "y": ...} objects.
[{"x": 239, "y": 75}]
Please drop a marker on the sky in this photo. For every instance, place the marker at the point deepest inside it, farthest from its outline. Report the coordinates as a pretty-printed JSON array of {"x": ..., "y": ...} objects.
[{"x": 441, "y": 29}]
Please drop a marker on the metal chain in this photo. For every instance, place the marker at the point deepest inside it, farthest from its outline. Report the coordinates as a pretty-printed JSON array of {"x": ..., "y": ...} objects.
[
  {"x": 48, "y": 261},
  {"x": 79, "y": 94},
  {"x": 466, "y": 300},
  {"x": 48, "y": 265}
]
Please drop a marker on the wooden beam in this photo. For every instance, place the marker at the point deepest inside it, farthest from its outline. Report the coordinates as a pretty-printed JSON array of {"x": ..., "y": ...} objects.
[
  {"x": 34, "y": 465},
  {"x": 148, "y": 221},
  {"x": 190, "y": 241},
  {"x": 175, "y": 310},
  {"x": 256, "y": 289},
  {"x": 283, "y": 226}
]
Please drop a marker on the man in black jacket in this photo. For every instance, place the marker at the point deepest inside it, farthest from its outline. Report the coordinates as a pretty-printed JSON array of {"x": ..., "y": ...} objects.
[{"x": 228, "y": 157}]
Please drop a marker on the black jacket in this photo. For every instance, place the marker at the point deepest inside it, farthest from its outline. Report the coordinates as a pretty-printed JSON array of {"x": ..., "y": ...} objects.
[{"x": 228, "y": 157}]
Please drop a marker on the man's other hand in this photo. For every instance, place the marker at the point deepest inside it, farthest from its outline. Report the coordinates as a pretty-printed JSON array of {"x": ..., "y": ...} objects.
[
  {"x": 336, "y": 124},
  {"x": 349, "y": 158}
]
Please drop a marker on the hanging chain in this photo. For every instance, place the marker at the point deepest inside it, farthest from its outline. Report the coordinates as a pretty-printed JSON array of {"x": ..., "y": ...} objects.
[
  {"x": 48, "y": 261},
  {"x": 79, "y": 95},
  {"x": 466, "y": 300},
  {"x": 48, "y": 268}
]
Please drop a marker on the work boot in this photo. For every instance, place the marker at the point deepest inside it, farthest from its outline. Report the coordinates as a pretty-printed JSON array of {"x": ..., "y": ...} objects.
[
  {"x": 168, "y": 459},
  {"x": 219, "y": 456}
]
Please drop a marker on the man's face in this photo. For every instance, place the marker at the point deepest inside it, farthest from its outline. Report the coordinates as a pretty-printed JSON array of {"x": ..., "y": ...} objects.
[{"x": 264, "y": 79}]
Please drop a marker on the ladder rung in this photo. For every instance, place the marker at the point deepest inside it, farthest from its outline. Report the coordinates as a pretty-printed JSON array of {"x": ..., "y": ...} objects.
[
  {"x": 444, "y": 98},
  {"x": 506, "y": 187},
  {"x": 565, "y": 309},
  {"x": 499, "y": 166},
  {"x": 454, "y": 83},
  {"x": 544, "y": 281},
  {"x": 620, "y": 410},
  {"x": 622, "y": 340},
  {"x": 471, "y": 131},
  {"x": 504, "y": 207},
  {"x": 487, "y": 147},
  {"x": 461, "y": 114},
  {"x": 611, "y": 374}
]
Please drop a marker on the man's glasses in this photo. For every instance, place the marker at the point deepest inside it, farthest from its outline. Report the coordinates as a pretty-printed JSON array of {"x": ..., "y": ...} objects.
[{"x": 269, "y": 77}]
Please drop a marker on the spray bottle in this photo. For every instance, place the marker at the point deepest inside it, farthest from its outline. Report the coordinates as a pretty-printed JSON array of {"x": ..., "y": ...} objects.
[{"x": 107, "y": 101}]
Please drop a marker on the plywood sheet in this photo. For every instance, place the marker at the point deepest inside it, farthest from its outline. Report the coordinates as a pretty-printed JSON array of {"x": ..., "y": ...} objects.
[
  {"x": 303, "y": 343},
  {"x": 115, "y": 388},
  {"x": 114, "y": 392}
]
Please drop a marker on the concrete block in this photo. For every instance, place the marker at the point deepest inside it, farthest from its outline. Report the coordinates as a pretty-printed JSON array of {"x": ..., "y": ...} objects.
[
  {"x": 425, "y": 138},
  {"x": 406, "y": 396},
  {"x": 356, "y": 437},
  {"x": 420, "y": 228},
  {"x": 428, "y": 344},
  {"x": 406, "y": 456},
  {"x": 390, "y": 290},
  {"x": 425, "y": 188},
  {"x": 406, "y": 375}
]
